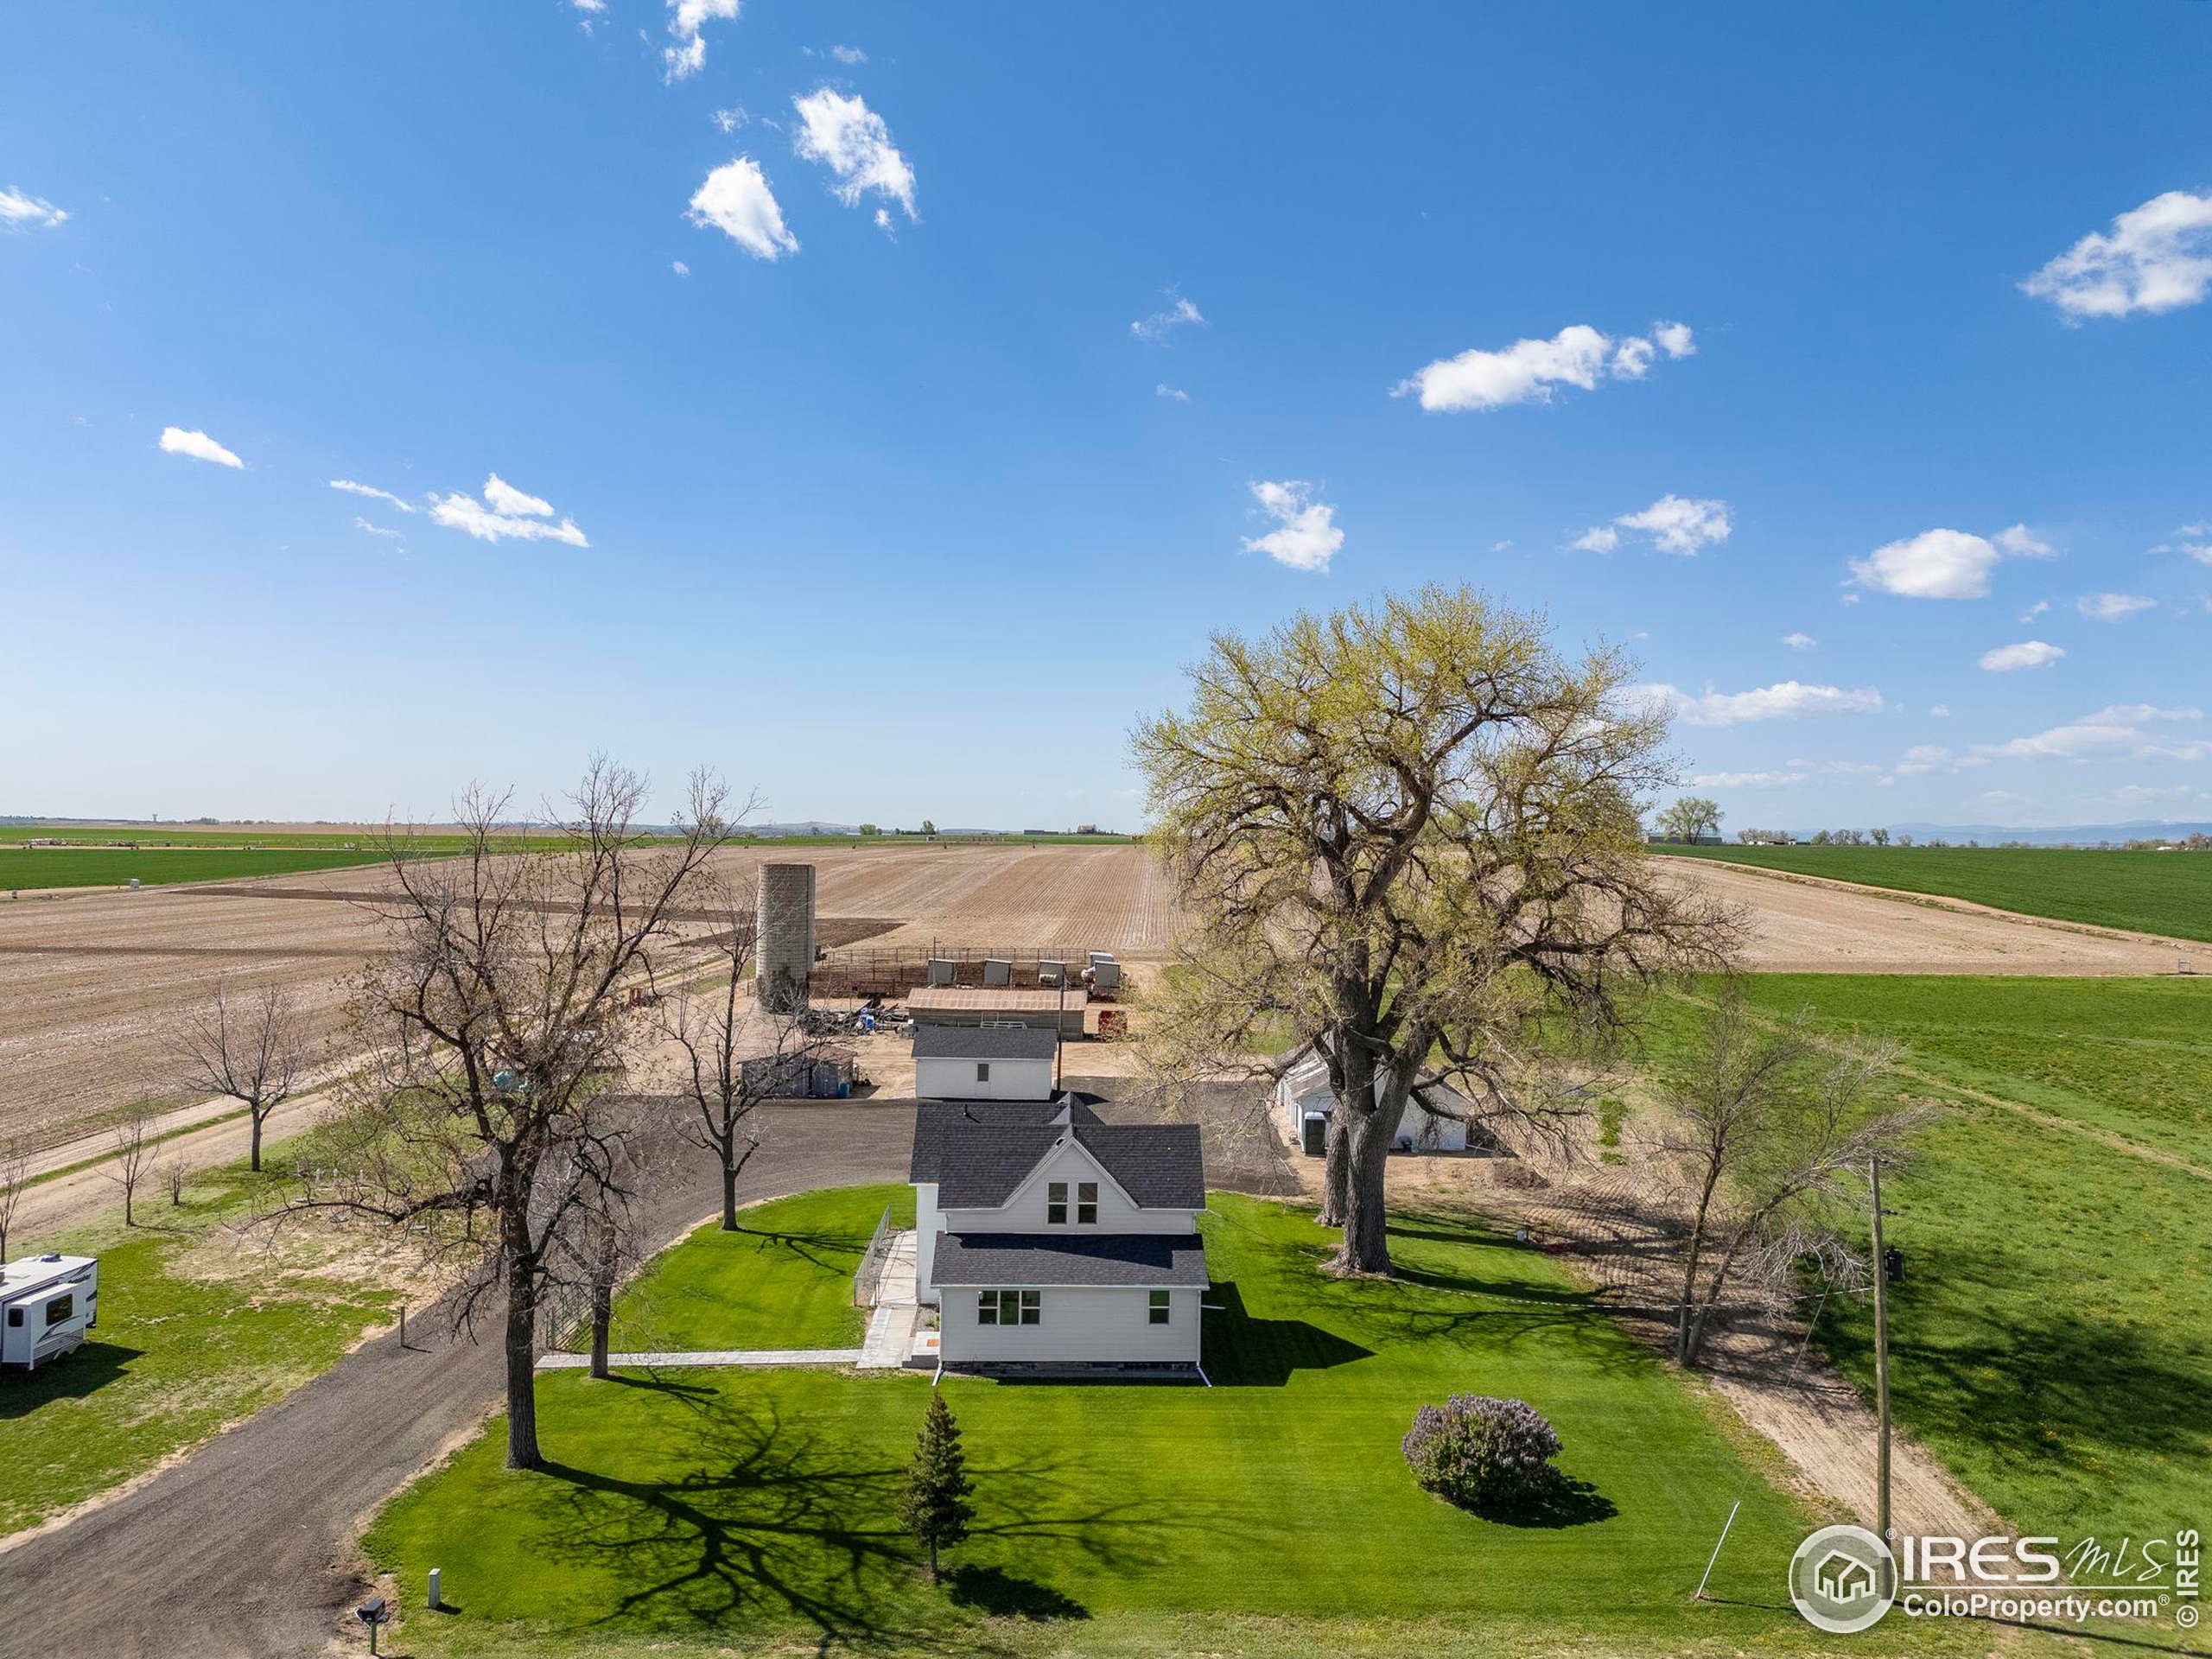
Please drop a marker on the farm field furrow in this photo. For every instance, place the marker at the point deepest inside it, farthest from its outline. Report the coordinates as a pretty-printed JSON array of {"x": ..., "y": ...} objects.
[{"x": 2168, "y": 894}]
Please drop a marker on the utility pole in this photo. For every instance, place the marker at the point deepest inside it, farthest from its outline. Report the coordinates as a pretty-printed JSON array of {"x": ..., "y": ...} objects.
[{"x": 1881, "y": 1365}]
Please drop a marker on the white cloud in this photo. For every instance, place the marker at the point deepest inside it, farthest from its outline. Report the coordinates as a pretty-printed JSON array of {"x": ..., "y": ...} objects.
[
  {"x": 20, "y": 211},
  {"x": 731, "y": 119},
  {"x": 383, "y": 530},
  {"x": 1944, "y": 563},
  {"x": 1785, "y": 700},
  {"x": 372, "y": 492},
  {"x": 512, "y": 503},
  {"x": 504, "y": 514},
  {"x": 177, "y": 440},
  {"x": 1799, "y": 641},
  {"x": 2113, "y": 608},
  {"x": 2035, "y": 610},
  {"x": 1599, "y": 539},
  {"x": 1682, "y": 526},
  {"x": 1924, "y": 760},
  {"x": 680, "y": 268},
  {"x": 2028, "y": 653},
  {"x": 2156, "y": 258},
  {"x": 736, "y": 199},
  {"x": 1746, "y": 779},
  {"x": 688, "y": 55},
  {"x": 594, "y": 7},
  {"x": 2190, "y": 541},
  {"x": 2113, "y": 734},
  {"x": 1940, "y": 711},
  {"x": 1528, "y": 370},
  {"x": 1157, "y": 327},
  {"x": 1174, "y": 394},
  {"x": 848, "y": 55},
  {"x": 1306, "y": 536},
  {"x": 850, "y": 139}
]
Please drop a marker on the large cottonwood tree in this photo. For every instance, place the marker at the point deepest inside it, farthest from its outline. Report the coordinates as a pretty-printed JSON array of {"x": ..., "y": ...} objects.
[{"x": 1407, "y": 835}]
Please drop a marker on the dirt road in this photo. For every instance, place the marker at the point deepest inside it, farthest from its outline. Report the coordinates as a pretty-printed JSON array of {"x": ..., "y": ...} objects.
[{"x": 1832, "y": 927}]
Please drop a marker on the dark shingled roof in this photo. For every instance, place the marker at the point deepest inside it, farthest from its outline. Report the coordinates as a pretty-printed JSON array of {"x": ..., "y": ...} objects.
[
  {"x": 1161, "y": 1165},
  {"x": 936, "y": 1119},
  {"x": 1153, "y": 1259},
  {"x": 985, "y": 1042}
]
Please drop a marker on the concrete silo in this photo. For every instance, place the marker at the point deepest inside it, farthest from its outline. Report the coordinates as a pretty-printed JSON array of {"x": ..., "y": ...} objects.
[{"x": 784, "y": 911}]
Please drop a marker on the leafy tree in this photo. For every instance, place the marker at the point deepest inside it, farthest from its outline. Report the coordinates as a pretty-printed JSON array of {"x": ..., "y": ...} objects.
[
  {"x": 1690, "y": 818},
  {"x": 1881, "y": 837},
  {"x": 929, "y": 826},
  {"x": 934, "y": 1507},
  {"x": 1407, "y": 836}
]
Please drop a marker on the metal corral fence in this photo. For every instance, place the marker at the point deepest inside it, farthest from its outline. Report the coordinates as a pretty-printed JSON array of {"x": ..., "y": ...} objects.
[
  {"x": 869, "y": 1279},
  {"x": 860, "y": 972}
]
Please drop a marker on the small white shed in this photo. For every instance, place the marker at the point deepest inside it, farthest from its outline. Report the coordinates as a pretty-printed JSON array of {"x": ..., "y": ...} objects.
[
  {"x": 984, "y": 1062},
  {"x": 47, "y": 1303},
  {"x": 1304, "y": 1104}
]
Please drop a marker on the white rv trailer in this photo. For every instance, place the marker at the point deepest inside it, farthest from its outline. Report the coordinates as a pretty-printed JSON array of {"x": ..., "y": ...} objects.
[{"x": 47, "y": 1303}]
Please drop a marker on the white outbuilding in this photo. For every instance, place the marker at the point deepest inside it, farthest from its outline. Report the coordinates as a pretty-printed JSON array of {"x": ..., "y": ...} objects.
[
  {"x": 984, "y": 1062},
  {"x": 47, "y": 1303},
  {"x": 1435, "y": 1118}
]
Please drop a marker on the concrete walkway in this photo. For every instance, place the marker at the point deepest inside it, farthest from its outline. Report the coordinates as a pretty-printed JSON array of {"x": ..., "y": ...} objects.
[
  {"x": 890, "y": 1342},
  {"x": 711, "y": 1357}
]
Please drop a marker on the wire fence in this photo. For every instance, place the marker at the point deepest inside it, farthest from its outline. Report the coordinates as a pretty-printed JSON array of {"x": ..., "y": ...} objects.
[{"x": 869, "y": 1280}]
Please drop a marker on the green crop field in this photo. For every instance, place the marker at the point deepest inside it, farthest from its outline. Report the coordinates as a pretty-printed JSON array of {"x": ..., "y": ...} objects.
[
  {"x": 27, "y": 870},
  {"x": 2052, "y": 1340},
  {"x": 2150, "y": 893}
]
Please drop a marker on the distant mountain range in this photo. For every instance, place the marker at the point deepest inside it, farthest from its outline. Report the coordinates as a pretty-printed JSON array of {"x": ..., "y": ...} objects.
[{"x": 2050, "y": 835}]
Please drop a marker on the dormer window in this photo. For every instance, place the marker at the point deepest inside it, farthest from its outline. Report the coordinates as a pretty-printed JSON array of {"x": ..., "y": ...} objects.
[
  {"x": 1055, "y": 1204},
  {"x": 1086, "y": 1203}
]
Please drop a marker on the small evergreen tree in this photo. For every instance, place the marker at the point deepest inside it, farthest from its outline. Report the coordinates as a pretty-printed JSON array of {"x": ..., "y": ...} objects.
[{"x": 935, "y": 1506}]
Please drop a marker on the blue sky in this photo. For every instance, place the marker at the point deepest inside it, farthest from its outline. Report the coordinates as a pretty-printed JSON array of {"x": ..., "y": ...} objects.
[{"x": 915, "y": 516}]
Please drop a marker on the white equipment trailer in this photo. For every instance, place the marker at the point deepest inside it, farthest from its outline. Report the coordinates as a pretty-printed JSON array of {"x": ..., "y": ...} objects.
[{"x": 47, "y": 1305}]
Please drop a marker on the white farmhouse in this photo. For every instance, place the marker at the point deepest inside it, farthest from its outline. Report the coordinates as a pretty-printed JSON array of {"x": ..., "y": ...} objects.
[
  {"x": 1435, "y": 1118},
  {"x": 984, "y": 1062},
  {"x": 1048, "y": 1236}
]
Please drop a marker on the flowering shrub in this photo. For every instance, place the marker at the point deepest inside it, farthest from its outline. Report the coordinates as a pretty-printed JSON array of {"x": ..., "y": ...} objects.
[{"x": 1484, "y": 1454}]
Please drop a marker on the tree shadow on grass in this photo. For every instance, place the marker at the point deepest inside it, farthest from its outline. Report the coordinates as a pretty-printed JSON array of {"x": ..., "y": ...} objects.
[
  {"x": 1243, "y": 1351},
  {"x": 994, "y": 1592},
  {"x": 770, "y": 1524},
  {"x": 77, "y": 1375},
  {"x": 1567, "y": 1502}
]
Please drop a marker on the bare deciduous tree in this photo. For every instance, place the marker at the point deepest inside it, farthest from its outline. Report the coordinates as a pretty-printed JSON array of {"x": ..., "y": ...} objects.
[
  {"x": 14, "y": 1180},
  {"x": 253, "y": 1048},
  {"x": 131, "y": 1147},
  {"x": 497, "y": 1022},
  {"x": 1409, "y": 837},
  {"x": 1771, "y": 1127},
  {"x": 736, "y": 1055}
]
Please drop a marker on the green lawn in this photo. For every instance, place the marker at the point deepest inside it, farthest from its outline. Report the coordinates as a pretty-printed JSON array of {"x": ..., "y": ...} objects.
[
  {"x": 1270, "y": 1513},
  {"x": 785, "y": 1281},
  {"x": 197, "y": 1329},
  {"x": 2052, "y": 1341},
  {"x": 106, "y": 867},
  {"x": 2150, "y": 892}
]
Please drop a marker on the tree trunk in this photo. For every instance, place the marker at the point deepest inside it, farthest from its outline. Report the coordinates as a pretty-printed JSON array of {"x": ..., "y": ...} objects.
[
  {"x": 1366, "y": 1247},
  {"x": 602, "y": 1322},
  {"x": 729, "y": 1192},
  {"x": 932, "y": 1560},
  {"x": 1684, "y": 1350},
  {"x": 1336, "y": 1164},
  {"x": 254, "y": 1156},
  {"x": 521, "y": 1364}
]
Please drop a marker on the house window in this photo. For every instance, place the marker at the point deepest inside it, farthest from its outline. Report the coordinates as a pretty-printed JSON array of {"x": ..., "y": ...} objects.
[
  {"x": 1157, "y": 1313},
  {"x": 1055, "y": 1204},
  {"x": 982, "y": 1071},
  {"x": 1086, "y": 1203},
  {"x": 1010, "y": 1307},
  {"x": 59, "y": 1309}
]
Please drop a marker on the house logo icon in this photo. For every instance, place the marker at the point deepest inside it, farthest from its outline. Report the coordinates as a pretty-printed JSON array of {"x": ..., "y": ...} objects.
[{"x": 1842, "y": 1579}]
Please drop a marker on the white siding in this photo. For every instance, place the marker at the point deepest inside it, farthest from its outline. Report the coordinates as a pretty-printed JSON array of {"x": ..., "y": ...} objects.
[
  {"x": 1090, "y": 1325},
  {"x": 1306, "y": 1089},
  {"x": 1070, "y": 1163},
  {"x": 939, "y": 1078},
  {"x": 927, "y": 1224}
]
